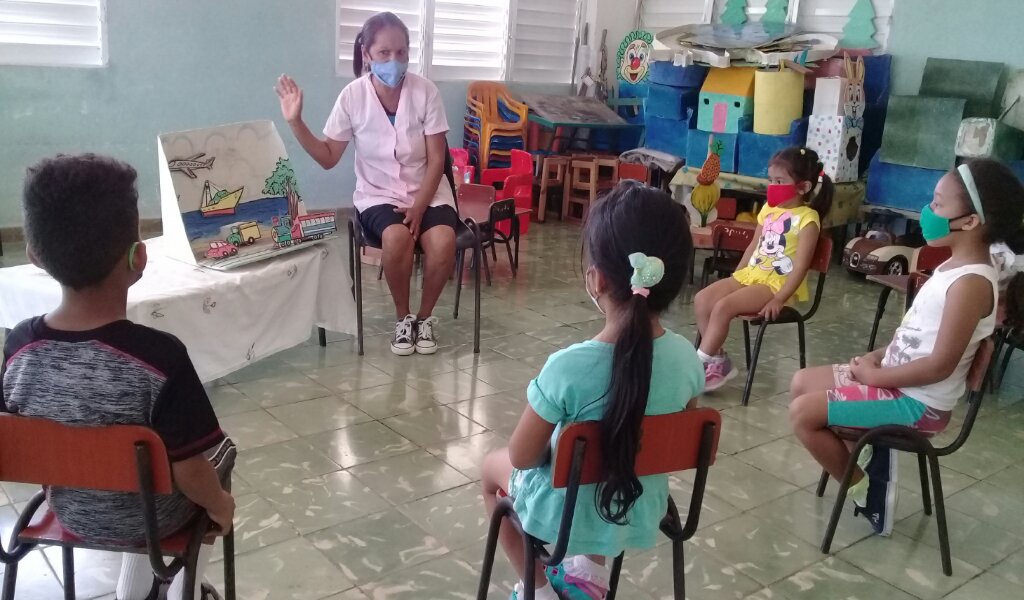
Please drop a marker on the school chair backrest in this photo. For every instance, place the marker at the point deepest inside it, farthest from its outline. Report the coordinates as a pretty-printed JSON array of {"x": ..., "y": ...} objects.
[
  {"x": 634, "y": 171},
  {"x": 669, "y": 443},
  {"x": 43, "y": 452},
  {"x": 927, "y": 258},
  {"x": 730, "y": 237}
]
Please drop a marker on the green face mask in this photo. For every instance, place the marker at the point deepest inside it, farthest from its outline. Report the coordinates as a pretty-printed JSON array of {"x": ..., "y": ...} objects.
[{"x": 933, "y": 226}]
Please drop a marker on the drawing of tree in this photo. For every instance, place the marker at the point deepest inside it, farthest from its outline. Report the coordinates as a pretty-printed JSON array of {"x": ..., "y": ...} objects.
[
  {"x": 282, "y": 182},
  {"x": 734, "y": 13},
  {"x": 860, "y": 28},
  {"x": 775, "y": 12}
]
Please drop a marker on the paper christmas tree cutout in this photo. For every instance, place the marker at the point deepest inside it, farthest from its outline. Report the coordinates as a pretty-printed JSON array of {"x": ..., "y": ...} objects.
[
  {"x": 735, "y": 12},
  {"x": 859, "y": 32},
  {"x": 775, "y": 12}
]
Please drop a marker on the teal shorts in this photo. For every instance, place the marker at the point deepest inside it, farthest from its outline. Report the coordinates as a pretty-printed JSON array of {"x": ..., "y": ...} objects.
[{"x": 852, "y": 404}]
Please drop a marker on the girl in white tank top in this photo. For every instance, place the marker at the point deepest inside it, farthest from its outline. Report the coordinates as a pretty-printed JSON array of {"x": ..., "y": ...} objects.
[{"x": 918, "y": 378}]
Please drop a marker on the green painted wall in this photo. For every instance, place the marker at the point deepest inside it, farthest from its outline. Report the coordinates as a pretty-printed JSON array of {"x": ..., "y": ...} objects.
[
  {"x": 978, "y": 30},
  {"x": 181, "y": 65}
]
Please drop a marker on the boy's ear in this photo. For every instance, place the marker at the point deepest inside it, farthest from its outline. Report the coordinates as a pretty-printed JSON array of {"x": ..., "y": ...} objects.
[{"x": 139, "y": 258}]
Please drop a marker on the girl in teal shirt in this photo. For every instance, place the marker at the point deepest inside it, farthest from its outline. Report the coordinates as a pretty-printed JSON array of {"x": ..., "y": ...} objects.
[{"x": 637, "y": 243}]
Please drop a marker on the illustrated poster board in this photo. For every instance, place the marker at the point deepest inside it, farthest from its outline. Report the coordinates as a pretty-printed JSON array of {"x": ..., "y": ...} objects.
[
  {"x": 229, "y": 196},
  {"x": 571, "y": 110}
]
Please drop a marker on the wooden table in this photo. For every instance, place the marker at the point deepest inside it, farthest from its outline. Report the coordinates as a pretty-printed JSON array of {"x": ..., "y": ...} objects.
[{"x": 553, "y": 111}]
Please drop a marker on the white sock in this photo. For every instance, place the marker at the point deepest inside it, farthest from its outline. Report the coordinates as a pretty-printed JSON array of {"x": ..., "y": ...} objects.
[
  {"x": 177, "y": 589},
  {"x": 704, "y": 357},
  {"x": 581, "y": 567},
  {"x": 542, "y": 593},
  {"x": 136, "y": 578}
]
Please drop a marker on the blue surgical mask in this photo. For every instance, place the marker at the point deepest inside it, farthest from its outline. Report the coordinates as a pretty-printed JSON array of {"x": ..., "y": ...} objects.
[{"x": 390, "y": 73}]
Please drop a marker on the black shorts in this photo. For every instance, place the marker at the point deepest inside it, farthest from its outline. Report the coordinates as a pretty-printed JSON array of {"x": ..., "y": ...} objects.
[{"x": 378, "y": 218}]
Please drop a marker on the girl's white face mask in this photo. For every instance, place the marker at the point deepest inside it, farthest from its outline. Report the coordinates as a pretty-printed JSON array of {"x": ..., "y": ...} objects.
[{"x": 586, "y": 284}]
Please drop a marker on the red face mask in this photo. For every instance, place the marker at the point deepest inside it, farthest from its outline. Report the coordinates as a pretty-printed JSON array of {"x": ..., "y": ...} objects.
[{"x": 780, "y": 193}]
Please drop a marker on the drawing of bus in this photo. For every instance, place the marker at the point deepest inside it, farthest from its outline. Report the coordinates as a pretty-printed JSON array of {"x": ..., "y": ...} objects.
[{"x": 313, "y": 226}]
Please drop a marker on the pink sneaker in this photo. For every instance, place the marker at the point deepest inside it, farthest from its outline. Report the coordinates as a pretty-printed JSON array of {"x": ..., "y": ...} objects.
[{"x": 718, "y": 372}]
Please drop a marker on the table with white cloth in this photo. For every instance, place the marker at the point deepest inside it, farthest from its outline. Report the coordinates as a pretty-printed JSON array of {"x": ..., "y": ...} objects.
[{"x": 226, "y": 319}]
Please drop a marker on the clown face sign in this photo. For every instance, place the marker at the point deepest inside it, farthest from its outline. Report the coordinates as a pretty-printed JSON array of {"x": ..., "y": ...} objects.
[{"x": 634, "y": 57}]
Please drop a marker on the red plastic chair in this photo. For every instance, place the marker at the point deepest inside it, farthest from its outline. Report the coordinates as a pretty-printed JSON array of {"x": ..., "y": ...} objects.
[
  {"x": 522, "y": 162},
  {"x": 669, "y": 443},
  {"x": 116, "y": 458}
]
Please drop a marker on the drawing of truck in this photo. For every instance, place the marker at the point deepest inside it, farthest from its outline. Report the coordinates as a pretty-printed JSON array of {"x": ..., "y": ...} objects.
[
  {"x": 313, "y": 226},
  {"x": 244, "y": 234}
]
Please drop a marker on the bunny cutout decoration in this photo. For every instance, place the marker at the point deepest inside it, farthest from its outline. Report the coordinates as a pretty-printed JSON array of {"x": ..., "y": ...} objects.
[
  {"x": 853, "y": 100},
  {"x": 837, "y": 122}
]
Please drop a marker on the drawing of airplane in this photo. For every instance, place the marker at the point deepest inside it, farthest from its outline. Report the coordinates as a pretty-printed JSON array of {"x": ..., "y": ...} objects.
[{"x": 188, "y": 165}]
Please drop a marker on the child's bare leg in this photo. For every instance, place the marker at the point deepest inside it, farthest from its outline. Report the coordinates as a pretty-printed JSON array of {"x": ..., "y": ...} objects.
[
  {"x": 813, "y": 379},
  {"x": 809, "y": 416},
  {"x": 744, "y": 301},
  {"x": 495, "y": 474},
  {"x": 706, "y": 299}
]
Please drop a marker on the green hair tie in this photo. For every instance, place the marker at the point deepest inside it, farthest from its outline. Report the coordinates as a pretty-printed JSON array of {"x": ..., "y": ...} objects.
[{"x": 647, "y": 272}]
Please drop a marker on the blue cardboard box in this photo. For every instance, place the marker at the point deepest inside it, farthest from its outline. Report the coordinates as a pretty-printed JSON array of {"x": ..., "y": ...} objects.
[
  {"x": 900, "y": 186},
  {"x": 697, "y": 146},
  {"x": 755, "y": 149},
  {"x": 665, "y": 73},
  {"x": 670, "y": 102},
  {"x": 667, "y": 135}
]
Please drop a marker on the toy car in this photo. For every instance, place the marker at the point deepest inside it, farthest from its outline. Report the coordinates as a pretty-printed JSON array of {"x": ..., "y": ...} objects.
[
  {"x": 877, "y": 254},
  {"x": 221, "y": 250}
]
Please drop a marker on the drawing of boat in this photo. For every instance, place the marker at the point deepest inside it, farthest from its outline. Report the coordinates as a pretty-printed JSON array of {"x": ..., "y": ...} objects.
[{"x": 222, "y": 202}]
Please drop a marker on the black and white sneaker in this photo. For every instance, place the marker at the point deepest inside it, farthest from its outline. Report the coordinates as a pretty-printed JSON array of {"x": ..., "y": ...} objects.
[
  {"x": 880, "y": 507},
  {"x": 426, "y": 343},
  {"x": 404, "y": 342}
]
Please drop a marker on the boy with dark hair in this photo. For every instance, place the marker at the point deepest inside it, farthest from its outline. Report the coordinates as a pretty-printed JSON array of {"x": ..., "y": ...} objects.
[{"x": 85, "y": 364}]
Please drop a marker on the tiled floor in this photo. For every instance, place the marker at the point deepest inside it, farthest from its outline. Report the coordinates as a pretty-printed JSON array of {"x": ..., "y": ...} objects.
[{"x": 358, "y": 477}]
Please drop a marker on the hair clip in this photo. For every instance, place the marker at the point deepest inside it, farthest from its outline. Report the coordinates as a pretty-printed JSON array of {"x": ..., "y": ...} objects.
[
  {"x": 803, "y": 151},
  {"x": 647, "y": 272}
]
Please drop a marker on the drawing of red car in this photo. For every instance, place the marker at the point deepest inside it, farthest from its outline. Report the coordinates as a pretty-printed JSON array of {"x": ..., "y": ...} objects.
[{"x": 221, "y": 250}]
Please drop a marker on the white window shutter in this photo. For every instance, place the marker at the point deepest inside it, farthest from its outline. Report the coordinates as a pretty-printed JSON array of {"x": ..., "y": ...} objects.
[
  {"x": 350, "y": 16},
  {"x": 468, "y": 39},
  {"x": 60, "y": 33},
  {"x": 543, "y": 40},
  {"x": 658, "y": 15}
]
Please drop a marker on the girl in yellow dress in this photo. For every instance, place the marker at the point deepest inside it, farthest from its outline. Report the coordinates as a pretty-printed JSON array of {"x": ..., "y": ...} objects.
[{"x": 799, "y": 194}]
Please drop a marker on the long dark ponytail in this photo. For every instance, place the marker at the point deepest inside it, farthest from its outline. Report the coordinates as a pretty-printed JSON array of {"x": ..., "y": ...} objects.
[
  {"x": 632, "y": 218},
  {"x": 364, "y": 39},
  {"x": 803, "y": 164}
]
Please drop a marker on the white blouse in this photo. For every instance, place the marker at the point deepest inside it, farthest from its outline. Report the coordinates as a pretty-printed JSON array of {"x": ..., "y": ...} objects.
[{"x": 391, "y": 160}]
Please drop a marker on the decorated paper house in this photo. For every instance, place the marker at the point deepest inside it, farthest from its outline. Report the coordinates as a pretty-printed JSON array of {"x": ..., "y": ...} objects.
[{"x": 726, "y": 97}]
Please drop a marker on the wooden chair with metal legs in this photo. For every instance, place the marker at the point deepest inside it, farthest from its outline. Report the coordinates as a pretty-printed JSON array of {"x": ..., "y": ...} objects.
[
  {"x": 925, "y": 260},
  {"x": 908, "y": 439},
  {"x": 118, "y": 458},
  {"x": 729, "y": 242},
  {"x": 673, "y": 442}
]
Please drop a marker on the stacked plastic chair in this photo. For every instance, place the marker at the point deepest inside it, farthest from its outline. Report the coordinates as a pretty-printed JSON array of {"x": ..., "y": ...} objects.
[{"x": 495, "y": 124}]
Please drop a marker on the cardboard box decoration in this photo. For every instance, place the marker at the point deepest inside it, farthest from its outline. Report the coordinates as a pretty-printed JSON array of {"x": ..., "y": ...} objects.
[
  {"x": 921, "y": 132},
  {"x": 976, "y": 82},
  {"x": 899, "y": 186},
  {"x": 755, "y": 149},
  {"x": 670, "y": 102},
  {"x": 726, "y": 97},
  {"x": 663, "y": 72},
  {"x": 229, "y": 196},
  {"x": 989, "y": 138},
  {"x": 836, "y": 133},
  {"x": 697, "y": 147},
  {"x": 778, "y": 100},
  {"x": 666, "y": 135}
]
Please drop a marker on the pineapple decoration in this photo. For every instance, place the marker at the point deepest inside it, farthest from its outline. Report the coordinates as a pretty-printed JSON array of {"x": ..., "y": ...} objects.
[{"x": 705, "y": 195}]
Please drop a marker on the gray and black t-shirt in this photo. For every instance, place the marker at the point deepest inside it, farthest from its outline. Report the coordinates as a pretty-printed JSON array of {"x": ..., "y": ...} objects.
[{"x": 119, "y": 374}]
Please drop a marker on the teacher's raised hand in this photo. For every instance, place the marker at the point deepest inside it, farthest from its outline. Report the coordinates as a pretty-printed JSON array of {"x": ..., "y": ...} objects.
[{"x": 290, "y": 95}]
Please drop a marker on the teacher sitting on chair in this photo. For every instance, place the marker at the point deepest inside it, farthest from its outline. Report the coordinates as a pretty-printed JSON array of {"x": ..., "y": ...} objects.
[{"x": 397, "y": 123}]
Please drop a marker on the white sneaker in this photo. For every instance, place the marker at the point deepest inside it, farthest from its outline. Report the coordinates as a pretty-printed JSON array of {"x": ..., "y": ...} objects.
[
  {"x": 426, "y": 343},
  {"x": 404, "y": 342}
]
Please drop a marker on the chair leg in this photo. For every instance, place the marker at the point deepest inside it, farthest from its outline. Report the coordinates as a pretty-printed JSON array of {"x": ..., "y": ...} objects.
[
  {"x": 922, "y": 466},
  {"x": 487, "y": 266},
  {"x": 678, "y": 570},
  {"x": 68, "y": 565},
  {"x": 940, "y": 515},
  {"x": 746, "y": 343},
  {"x": 190, "y": 567},
  {"x": 705, "y": 273},
  {"x": 530, "y": 581},
  {"x": 476, "y": 302},
  {"x": 613, "y": 581},
  {"x": 822, "y": 483},
  {"x": 229, "y": 565},
  {"x": 358, "y": 284},
  {"x": 460, "y": 261},
  {"x": 752, "y": 368},
  {"x": 883, "y": 297},
  {"x": 511, "y": 259},
  {"x": 1002, "y": 367},
  {"x": 490, "y": 549},
  {"x": 803, "y": 344},
  {"x": 837, "y": 510},
  {"x": 10, "y": 581},
  {"x": 321, "y": 336}
]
